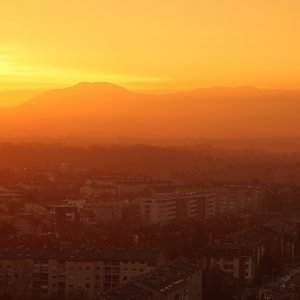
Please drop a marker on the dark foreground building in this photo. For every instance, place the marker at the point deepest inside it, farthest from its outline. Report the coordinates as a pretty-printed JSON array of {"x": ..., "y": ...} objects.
[
  {"x": 70, "y": 273},
  {"x": 178, "y": 280}
]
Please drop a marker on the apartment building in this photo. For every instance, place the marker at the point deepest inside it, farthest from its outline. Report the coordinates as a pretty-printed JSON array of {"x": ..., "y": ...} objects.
[
  {"x": 172, "y": 207},
  {"x": 177, "y": 280},
  {"x": 282, "y": 234},
  {"x": 113, "y": 211},
  {"x": 111, "y": 187},
  {"x": 71, "y": 272},
  {"x": 235, "y": 201},
  {"x": 239, "y": 255},
  {"x": 16, "y": 276}
]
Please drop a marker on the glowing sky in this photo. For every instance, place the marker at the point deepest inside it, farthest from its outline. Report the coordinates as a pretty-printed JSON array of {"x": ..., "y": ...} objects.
[{"x": 147, "y": 44}]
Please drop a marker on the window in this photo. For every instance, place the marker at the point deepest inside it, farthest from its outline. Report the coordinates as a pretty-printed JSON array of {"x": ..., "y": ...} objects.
[
  {"x": 87, "y": 285},
  {"x": 228, "y": 266},
  {"x": 125, "y": 278},
  {"x": 44, "y": 269}
]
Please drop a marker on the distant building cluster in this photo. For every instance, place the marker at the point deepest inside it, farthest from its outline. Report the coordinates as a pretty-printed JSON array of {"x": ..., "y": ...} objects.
[
  {"x": 202, "y": 205},
  {"x": 77, "y": 234}
]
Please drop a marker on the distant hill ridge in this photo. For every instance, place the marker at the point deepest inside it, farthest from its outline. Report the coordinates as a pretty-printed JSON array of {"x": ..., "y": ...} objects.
[{"x": 105, "y": 109}]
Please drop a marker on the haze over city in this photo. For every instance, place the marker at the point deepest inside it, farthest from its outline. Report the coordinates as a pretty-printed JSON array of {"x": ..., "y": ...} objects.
[{"x": 149, "y": 150}]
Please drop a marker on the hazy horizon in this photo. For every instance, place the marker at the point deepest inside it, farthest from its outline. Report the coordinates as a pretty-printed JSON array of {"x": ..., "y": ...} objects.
[
  {"x": 9, "y": 101},
  {"x": 101, "y": 111},
  {"x": 168, "y": 71},
  {"x": 149, "y": 149}
]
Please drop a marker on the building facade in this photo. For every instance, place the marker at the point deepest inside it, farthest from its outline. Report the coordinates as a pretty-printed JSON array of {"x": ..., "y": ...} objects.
[
  {"x": 172, "y": 207},
  {"x": 71, "y": 273}
]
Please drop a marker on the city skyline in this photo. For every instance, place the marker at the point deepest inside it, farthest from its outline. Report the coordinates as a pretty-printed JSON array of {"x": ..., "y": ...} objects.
[{"x": 149, "y": 150}]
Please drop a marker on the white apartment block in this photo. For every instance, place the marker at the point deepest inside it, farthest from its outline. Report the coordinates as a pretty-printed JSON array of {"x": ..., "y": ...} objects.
[{"x": 164, "y": 208}]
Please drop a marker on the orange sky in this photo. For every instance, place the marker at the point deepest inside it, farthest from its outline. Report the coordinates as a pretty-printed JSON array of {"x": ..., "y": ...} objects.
[{"x": 147, "y": 44}]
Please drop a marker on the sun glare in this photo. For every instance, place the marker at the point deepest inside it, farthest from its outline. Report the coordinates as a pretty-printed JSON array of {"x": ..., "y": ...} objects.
[{"x": 6, "y": 67}]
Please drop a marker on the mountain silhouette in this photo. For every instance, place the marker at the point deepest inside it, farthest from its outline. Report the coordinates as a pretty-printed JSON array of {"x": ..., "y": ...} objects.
[
  {"x": 81, "y": 96},
  {"x": 95, "y": 110}
]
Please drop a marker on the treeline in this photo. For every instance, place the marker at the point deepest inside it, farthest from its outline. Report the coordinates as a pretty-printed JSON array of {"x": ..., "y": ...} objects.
[{"x": 203, "y": 161}]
